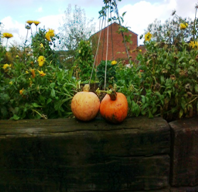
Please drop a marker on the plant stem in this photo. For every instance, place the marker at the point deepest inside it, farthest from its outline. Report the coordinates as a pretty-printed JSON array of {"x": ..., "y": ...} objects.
[
  {"x": 195, "y": 22},
  {"x": 7, "y": 44},
  {"x": 122, "y": 32},
  {"x": 41, "y": 115},
  {"x": 26, "y": 37},
  {"x": 106, "y": 55},
  {"x": 31, "y": 31},
  {"x": 111, "y": 93},
  {"x": 192, "y": 100}
]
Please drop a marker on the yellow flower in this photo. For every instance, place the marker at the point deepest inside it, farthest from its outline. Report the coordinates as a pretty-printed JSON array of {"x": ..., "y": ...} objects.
[
  {"x": 6, "y": 66},
  {"x": 114, "y": 62},
  {"x": 21, "y": 91},
  {"x": 17, "y": 56},
  {"x": 51, "y": 32},
  {"x": 183, "y": 26},
  {"x": 194, "y": 44},
  {"x": 79, "y": 51},
  {"x": 36, "y": 22},
  {"x": 10, "y": 82},
  {"x": 191, "y": 44},
  {"x": 41, "y": 73},
  {"x": 29, "y": 22},
  {"x": 41, "y": 60},
  {"x": 148, "y": 36},
  {"x": 7, "y": 35},
  {"x": 33, "y": 73},
  {"x": 140, "y": 50},
  {"x": 41, "y": 45},
  {"x": 30, "y": 82},
  {"x": 47, "y": 36},
  {"x": 26, "y": 72}
]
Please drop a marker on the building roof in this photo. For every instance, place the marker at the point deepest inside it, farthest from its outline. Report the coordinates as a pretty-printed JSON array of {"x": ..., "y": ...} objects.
[{"x": 110, "y": 25}]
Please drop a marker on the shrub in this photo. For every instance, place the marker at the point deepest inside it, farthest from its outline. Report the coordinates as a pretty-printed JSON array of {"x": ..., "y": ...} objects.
[
  {"x": 165, "y": 80},
  {"x": 110, "y": 74},
  {"x": 84, "y": 61},
  {"x": 33, "y": 85}
]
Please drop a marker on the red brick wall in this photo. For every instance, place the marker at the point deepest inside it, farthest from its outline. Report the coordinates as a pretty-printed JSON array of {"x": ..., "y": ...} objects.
[{"x": 116, "y": 48}]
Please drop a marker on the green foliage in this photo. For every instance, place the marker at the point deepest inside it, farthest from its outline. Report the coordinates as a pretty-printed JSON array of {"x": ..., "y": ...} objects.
[
  {"x": 110, "y": 74},
  {"x": 31, "y": 91},
  {"x": 171, "y": 33},
  {"x": 46, "y": 48},
  {"x": 2, "y": 53},
  {"x": 84, "y": 60},
  {"x": 165, "y": 80}
]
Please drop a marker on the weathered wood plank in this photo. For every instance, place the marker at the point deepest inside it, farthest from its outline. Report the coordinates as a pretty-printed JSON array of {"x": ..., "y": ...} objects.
[
  {"x": 117, "y": 142},
  {"x": 139, "y": 136},
  {"x": 120, "y": 174},
  {"x": 185, "y": 152},
  {"x": 70, "y": 155},
  {"x": 184, "y": 189},
  {"x": 67, "y": 125}
]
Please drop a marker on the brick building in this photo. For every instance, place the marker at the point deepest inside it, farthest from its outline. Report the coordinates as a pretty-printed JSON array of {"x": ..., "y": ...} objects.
[{"x": 116, "y": 48}]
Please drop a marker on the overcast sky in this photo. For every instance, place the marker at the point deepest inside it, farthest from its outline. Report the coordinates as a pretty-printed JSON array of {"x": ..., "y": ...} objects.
[{"x": 15, "y": 13}]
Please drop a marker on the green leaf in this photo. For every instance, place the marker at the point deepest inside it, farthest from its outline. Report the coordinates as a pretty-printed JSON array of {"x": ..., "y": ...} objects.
[
  {"x": 53, "y": 93},
  {"x": 180, "y": 113},
  {"x": 15, "y": 117},
  {"x": 144, "y": 106},
  {"x": 49, "y": 100},
  {"x": 143, "y": 99},
  {"x": 169, "y": 92},
  {"x": 143, "y": 112},
  {"x": 183, "y": 104},
  {"x": 154, "y": 109},
  {"x": 4, "y": 111},
  {"x": 123, "y": 13},
  {"x": 150, "y": 114},
  {"x": 35, "y": 105},
  {"x": 162, "y": 79},
  {"x": 4, "y": 98},
  {"x": 196, "y": 88},
  {"x": 52, "y": 85},
  {"x": 129, "y": 100}
]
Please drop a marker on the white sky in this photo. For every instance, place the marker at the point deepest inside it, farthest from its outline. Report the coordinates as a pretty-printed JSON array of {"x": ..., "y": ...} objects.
[{"x": 15, "y": 13}]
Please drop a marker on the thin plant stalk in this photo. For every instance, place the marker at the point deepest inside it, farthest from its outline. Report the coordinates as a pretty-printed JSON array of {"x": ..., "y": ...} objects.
[
  {"x": 122, "y": 32},
  {"x": 25, "y": 46},
  {"x": 106, "y": 53},
  {"x": 26, "y": 37},
  {"x": 7, "y": 44},
  {"x": 196, "y": 7},
  {"x": 96, "y": 50},
  {"x": 31, "y": 30}
]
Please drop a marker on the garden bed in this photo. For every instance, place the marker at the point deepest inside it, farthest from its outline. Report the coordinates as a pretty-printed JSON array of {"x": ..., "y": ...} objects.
[{"x": 140, "y": 154}]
